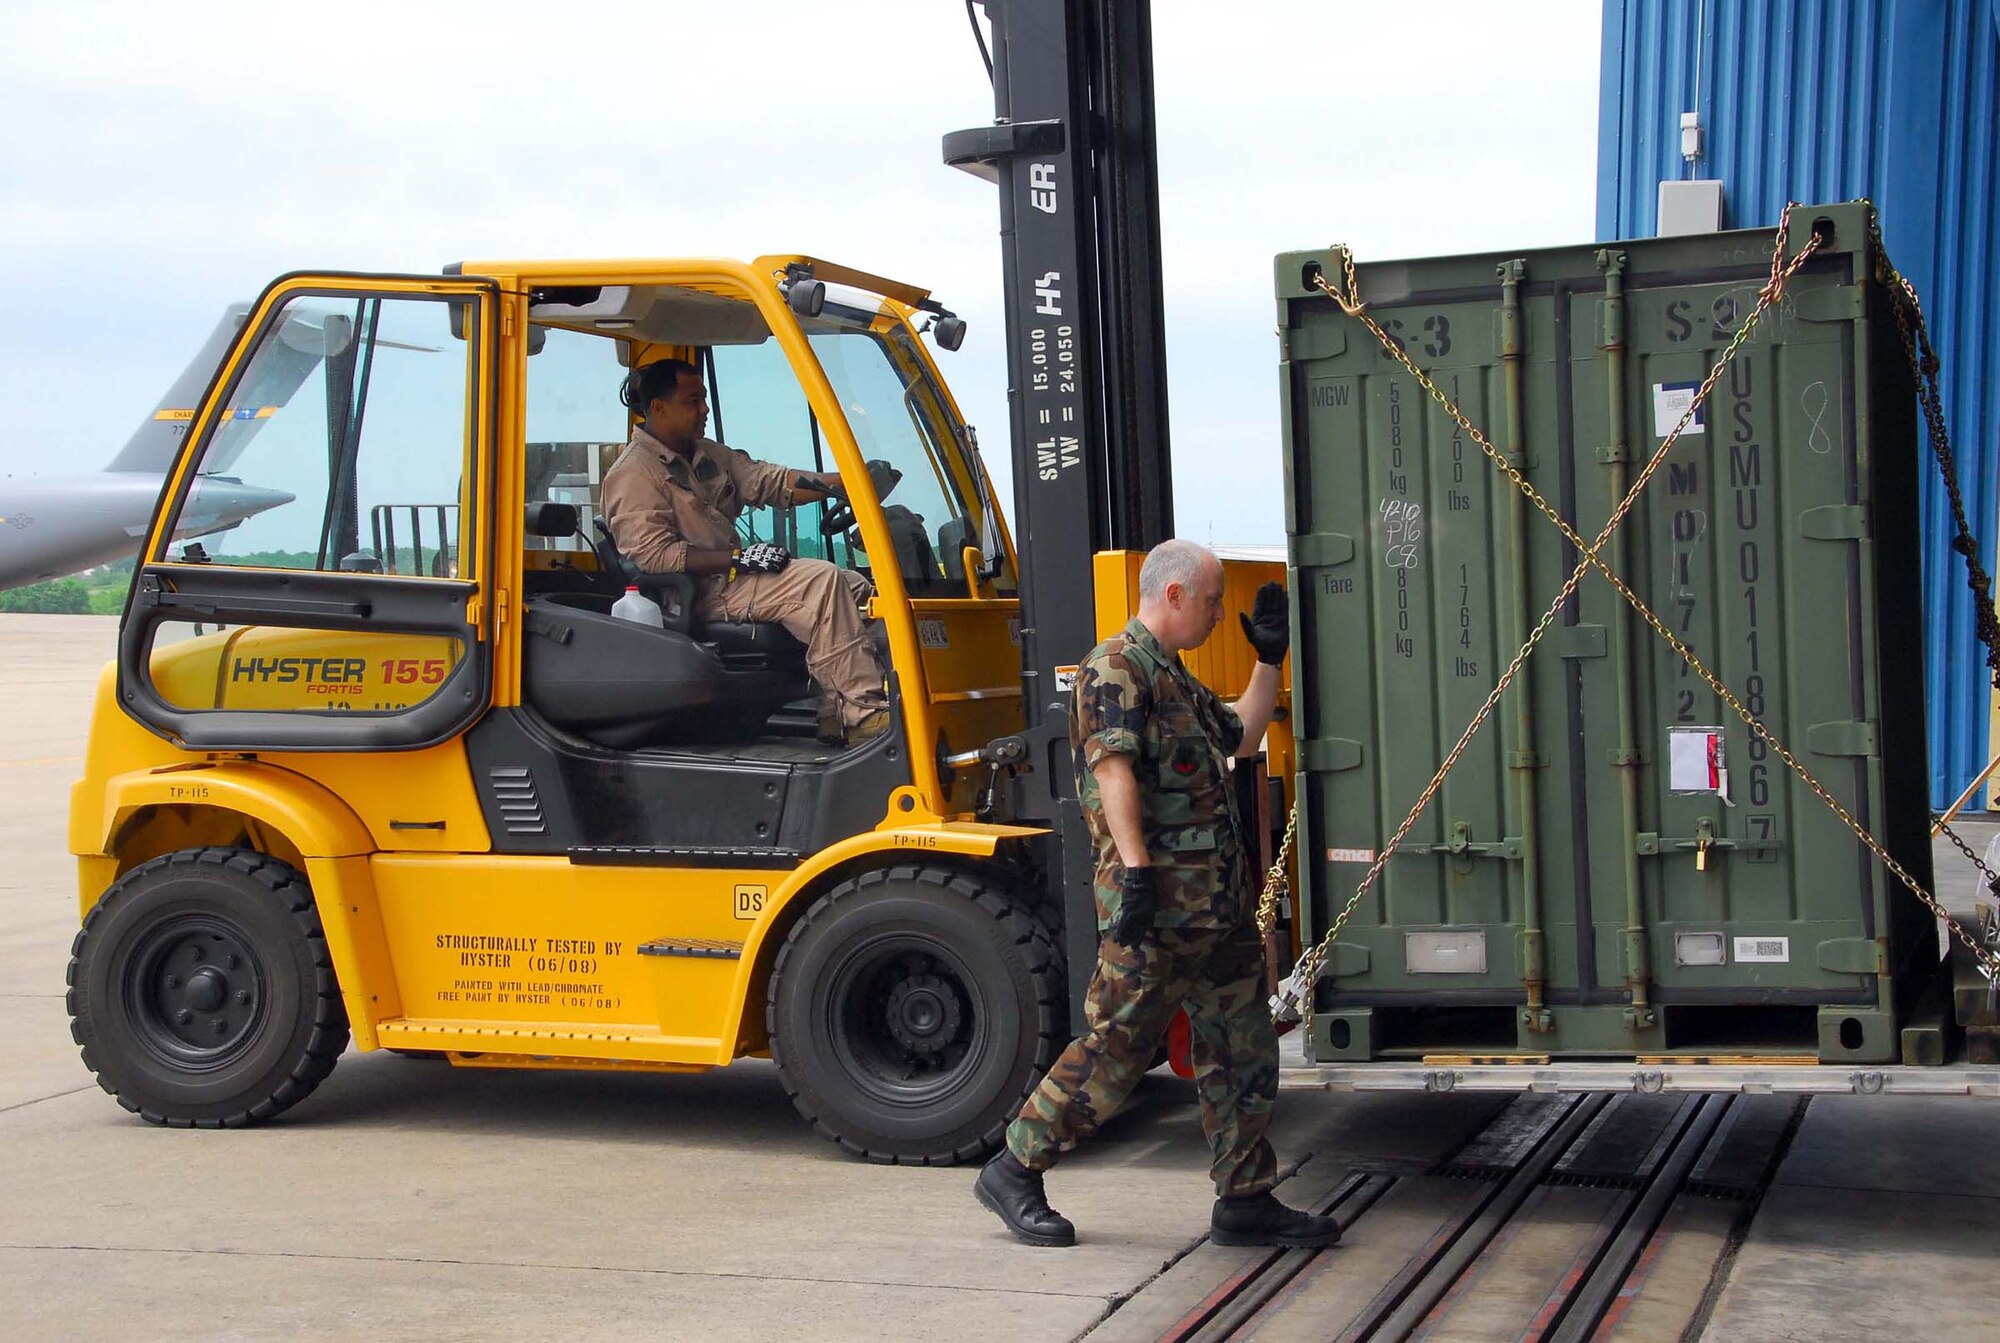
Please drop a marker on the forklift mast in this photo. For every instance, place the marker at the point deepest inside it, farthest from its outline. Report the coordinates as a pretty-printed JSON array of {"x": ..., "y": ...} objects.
[{"x": 1071, "y": 148}]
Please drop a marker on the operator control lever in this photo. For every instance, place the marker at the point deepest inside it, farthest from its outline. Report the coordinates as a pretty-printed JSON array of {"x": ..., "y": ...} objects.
[{"x": 1002, "y": 753}]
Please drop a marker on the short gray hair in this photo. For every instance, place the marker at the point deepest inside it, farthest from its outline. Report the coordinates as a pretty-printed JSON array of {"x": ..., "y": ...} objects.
[{"x": 1171, "y": 562}]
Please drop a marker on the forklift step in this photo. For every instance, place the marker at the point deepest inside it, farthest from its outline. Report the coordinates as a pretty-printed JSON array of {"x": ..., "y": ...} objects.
[
  {"x": 748, "y": 856},
  {"x": 693, "y": 946}
]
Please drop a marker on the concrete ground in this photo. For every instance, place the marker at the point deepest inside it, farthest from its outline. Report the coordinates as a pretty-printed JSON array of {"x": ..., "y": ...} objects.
[
  {"x": 1884, "y": 1220},
  {"x": 407, "y": 1199}
]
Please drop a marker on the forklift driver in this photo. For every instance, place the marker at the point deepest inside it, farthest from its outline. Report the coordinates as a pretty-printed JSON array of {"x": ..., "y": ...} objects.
[{"x": 671, "y": 502}]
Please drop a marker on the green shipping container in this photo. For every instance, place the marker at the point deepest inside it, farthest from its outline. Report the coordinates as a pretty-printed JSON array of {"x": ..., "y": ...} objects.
[{"x": 1616, "y": 867}]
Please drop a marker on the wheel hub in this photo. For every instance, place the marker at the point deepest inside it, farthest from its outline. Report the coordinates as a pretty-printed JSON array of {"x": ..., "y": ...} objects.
[
  {"x": 206, "y": 989},
  {"x": 924, "y": 1014},
  {"x": 196, "y": 994}
]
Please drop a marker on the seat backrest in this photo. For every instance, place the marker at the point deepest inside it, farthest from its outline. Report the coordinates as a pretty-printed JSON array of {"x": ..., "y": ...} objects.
[
  {"x": 675, "y": 592},
  {"x": 621, "y": 570}
]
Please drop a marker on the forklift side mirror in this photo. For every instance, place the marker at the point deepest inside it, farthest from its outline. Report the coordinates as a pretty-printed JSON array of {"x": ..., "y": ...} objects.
[
  {"x": 806, "y": 297},
  {"x": 948, "y": 332}
]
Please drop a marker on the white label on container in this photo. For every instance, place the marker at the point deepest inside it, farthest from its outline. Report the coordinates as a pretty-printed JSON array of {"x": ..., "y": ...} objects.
[
  {"x": 1776, "y": 949},
  {"x": 1694, "y": 761},
  {"x": 1350, "y": 855},
  {"x": 1671, "y": 401}
]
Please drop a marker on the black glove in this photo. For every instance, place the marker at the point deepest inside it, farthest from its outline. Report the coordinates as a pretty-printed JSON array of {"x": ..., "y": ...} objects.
[
  {"x": 1138, "y": 902},
  {"x": 1268, "y": 626},
  {"x": 761, "y": 557}
]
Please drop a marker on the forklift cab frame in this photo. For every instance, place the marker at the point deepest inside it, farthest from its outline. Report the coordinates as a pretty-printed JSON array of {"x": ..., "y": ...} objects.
[{"x": 355, "y": 718}]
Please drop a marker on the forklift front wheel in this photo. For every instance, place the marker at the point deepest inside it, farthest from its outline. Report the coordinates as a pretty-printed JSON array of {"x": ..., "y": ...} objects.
[
  {"x": 201, "y": 990},
  {"x": 912, "y": 1010}
]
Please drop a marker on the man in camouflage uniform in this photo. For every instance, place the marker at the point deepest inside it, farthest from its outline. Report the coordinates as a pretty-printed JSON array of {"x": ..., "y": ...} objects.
[{"x": 1175, "y": 907}]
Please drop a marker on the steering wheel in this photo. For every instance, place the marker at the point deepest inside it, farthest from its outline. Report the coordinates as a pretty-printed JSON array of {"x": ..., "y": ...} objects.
[
  {"x": 839, "y": 514},
  {"x": 837, "y": 518}
]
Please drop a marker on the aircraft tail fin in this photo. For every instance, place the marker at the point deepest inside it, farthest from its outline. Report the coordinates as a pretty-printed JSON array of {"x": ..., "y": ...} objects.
[{"x": 155, "y": 443}]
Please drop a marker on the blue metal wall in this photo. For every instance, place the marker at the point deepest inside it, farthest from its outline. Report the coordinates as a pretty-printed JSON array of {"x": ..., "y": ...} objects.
[{"x": 1826, "y": 100}]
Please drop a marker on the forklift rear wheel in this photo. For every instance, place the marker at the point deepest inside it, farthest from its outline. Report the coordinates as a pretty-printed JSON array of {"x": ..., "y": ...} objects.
[
  {"x": 912, "y": 1010},
  {"x": 201, "y": 990}
]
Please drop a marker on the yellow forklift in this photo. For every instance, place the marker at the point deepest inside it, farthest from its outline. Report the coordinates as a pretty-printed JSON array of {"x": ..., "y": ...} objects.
[{"x": 382, "y": 763}]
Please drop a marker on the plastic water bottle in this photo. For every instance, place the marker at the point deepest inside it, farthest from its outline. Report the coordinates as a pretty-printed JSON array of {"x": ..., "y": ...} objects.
[{"x": 637, "y": 606}]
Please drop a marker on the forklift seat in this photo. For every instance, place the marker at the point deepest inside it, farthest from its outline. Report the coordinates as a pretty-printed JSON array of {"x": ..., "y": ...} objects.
[
  {"x": 736, "y": 640},
  {"x": 624, "y": 684}
]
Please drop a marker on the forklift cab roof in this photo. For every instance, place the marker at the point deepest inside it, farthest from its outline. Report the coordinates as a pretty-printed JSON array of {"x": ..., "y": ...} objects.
[{"x": 690, "y": 302}]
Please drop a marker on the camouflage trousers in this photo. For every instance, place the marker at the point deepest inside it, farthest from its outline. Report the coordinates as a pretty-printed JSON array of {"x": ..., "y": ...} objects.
[{"x": 1218, "y": 975}]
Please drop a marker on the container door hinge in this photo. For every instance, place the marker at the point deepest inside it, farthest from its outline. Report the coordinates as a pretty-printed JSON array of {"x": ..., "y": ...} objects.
[
  {"x": 1841, "y": 739},
  {"x": 1304, "y": 344},
  {"x": 1330, "y": 755},
  {"x": 1838, "y": 303},
  {"x": 1834, "y": 522},
  {"x": 1613, "y": 454},
  {"x": 1344, "y": 960},
  {"x": 1852, "y": 956},
  {"x": 1576, "y": 641},
  {"x": 1321, "y": 550}
]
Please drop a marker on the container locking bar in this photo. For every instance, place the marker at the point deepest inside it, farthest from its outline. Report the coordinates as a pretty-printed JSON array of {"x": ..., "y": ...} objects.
[
  {"x": 1461, "y": 845},
  {"x": 1651, "y": 844}
]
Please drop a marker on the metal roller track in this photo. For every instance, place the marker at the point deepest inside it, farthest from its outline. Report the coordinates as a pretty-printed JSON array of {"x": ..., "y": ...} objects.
[
  {"x": 1491, "y": 1239},
  {"x": 1650, "y": 1077}
]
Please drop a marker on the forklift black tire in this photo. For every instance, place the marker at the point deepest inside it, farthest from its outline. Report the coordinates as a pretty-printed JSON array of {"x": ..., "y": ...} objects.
[
  {"x": 912, "y": 1010},
  {"x": 201, "y": 990}
]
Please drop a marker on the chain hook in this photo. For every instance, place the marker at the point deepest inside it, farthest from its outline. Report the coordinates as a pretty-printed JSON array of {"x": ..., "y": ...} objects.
[{"x": 1350, "y": 302}]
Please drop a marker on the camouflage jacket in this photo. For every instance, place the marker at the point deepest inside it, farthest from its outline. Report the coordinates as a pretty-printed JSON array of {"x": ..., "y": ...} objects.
[{"x": 1133, "y": 698}]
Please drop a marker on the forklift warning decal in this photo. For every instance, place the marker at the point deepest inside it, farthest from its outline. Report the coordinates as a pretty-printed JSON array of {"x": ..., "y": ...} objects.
[{"x": 567, "y": 959}]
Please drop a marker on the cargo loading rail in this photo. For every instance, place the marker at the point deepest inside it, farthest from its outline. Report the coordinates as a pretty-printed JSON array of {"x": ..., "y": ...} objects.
[{"x": 1441, "y": 1073}]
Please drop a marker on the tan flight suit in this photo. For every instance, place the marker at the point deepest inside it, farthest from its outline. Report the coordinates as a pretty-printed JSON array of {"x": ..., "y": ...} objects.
[{"x": 658, "y": 504}]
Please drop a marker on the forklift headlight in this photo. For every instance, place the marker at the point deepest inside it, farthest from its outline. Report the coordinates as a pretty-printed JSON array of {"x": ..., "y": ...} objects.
[{"x": 806, "y": 296}]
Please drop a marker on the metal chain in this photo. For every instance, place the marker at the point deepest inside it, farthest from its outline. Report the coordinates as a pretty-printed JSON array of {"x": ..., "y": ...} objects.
[
  {"x": 1781, "y": 272},
  {"x": 1278, "y": 881},
  {"x": 1992, "y": 878},
  {"x": 1924, "y": 366}
]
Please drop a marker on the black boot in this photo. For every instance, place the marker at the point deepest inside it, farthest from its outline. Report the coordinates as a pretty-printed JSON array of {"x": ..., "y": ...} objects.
[
  {"x": 1014, "y": 1192},
  {"x": 1259, "y": 1219}
]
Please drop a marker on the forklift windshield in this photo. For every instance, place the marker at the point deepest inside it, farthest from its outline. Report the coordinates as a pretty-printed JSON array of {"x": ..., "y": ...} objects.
[{"x": 931, "y": 487}]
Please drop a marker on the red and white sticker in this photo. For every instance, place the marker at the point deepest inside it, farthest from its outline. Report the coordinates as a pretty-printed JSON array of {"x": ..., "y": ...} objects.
[
  {"x": 1695, "y": 761},
  {"x": 1350, "y": 855}
]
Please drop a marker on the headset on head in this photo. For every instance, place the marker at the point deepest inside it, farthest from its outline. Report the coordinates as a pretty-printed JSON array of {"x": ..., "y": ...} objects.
[{"x": 648, "y": 382}]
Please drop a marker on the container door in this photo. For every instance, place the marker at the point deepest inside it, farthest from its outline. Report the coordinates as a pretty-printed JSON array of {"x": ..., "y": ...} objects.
[
  {"x": 313, "y": 578},
  {"x": 1419, "y": 573},
  {"x": 1729, "y": 897}
]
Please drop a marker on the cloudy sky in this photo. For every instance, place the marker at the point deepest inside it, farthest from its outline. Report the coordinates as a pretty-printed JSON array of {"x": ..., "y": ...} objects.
[{"x": 163, "y": 159}]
